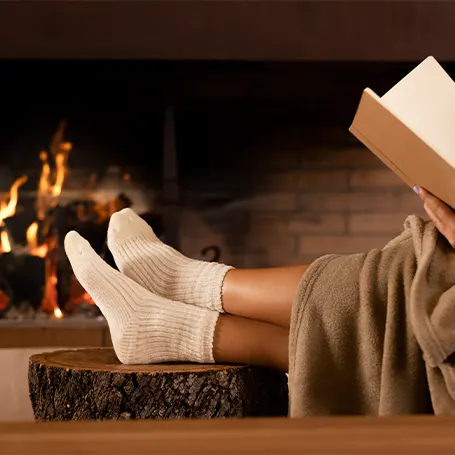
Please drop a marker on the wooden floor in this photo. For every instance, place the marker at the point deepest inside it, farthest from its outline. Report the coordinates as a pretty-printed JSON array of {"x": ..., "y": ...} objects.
[{"x": 319, "y": 436}]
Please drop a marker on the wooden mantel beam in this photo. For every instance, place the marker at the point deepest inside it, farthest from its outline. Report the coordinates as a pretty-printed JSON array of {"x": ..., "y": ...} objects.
[
  {"x": 415, "y": 435},
  {"x": 258, "y": 30}
]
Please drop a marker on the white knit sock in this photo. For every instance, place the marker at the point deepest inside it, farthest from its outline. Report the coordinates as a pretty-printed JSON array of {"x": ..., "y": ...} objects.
[
  {"x": 141, "y": 255},
  {"x": 145, "y": 328}
]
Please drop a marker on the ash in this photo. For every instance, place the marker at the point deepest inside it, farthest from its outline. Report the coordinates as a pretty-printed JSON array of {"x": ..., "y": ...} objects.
[{"x": 25, "y": 312}]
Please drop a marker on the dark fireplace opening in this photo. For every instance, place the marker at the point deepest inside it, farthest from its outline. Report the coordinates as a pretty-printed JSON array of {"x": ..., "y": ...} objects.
[{"x": 246, "y": 163}]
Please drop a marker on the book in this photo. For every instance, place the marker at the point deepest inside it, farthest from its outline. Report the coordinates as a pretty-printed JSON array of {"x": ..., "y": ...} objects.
[{"x": 411, "y": 128}]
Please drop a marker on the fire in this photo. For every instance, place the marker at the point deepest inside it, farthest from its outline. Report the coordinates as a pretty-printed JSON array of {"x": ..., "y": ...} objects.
[
  {"x": 49, "y": 302},
  {"x": 49, "y": 189},
  {"x": 42, "y": 235},
  {"x": 5, "y": 244},
  {"x": 51, "y": 182},
  {"x": 32, "y": 241},
  {"x": 4, "y": 300},
  {"x": 60, "y": 163},
  {"x": 32, "y": 235},
  {"x": 8, "y": 209}
]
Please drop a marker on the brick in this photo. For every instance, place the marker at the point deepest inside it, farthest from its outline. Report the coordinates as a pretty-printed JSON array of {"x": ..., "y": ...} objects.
[
  {"x": 411, "y": 203},
  {"x": 372, "y": 179},
  {"x": 376, "y": 223},
  {"x": 250, "y": 260},
  {"x": 323, "y": 180},
  {"x": 350, "y": 202},
  {"x": 192, "y": 246},
  {"x": 194, "y": 224},
  {"x": 318, "y": 223},
  {"x": 305, "y": 259},
  {"x": 277, "y": 181},
  {"x": 343, "y": 244},
  {"x": 224, "y": 182},
  {"x": 340, "y": 157},
  {"x": 273, "y": 202},
  {"x": 297, "y": 223},
  {"x": 278, "y": 250},
  {"x": 281, "y": 156},
  {"x": 230, "y": 219}
]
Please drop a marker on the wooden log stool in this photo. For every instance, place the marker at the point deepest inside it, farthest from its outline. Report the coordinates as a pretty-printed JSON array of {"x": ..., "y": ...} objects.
[{"x": 92, "y": 384}]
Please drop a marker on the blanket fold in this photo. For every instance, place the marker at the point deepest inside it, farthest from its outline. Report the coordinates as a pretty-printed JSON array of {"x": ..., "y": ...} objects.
[{"x": 374, "y": 333}]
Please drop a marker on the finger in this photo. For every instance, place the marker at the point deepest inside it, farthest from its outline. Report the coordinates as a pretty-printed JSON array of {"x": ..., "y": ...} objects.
[
  {"x": 447, "y": 229},
  {"x": 434, "y": 217},
  {"x": 438, "y": 208}
]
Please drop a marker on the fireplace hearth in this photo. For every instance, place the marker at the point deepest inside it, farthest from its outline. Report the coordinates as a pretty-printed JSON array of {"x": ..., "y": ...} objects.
[{"x": 224, "y": 123}]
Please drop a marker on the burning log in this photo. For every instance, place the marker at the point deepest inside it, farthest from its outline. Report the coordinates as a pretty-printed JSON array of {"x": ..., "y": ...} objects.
[
  {"x": 7, "y": 210},
  {"x": 6, "y": 296},
  {"x": 92, "y": 384},
  {"x": 23, "y": 275},
  {"x": 31, "y": 272}
]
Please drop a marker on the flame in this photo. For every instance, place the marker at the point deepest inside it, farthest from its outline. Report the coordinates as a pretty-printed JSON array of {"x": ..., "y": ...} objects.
[
  {"x": 59, "y": 175},
  {"x": 48, "y": 192},
  {"x": 4, "y": 300},
  {"x": 5, "y": 245},
  {"x": 77, "y": 295},
  {"x": 50, "y": 183},
  {"x": 88, "y": 299},
  {"x": 50, "y": 295},
  {"x": 32, "y": 235},
  {"x": 40, "y": 251},
  {"x": 32, "y": 241},
  {"x": 50, "y": 186},
  {"x": 8, "y": 209}
]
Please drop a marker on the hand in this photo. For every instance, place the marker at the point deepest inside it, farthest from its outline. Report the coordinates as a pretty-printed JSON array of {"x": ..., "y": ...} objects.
[{"x": 441, "y": 214}]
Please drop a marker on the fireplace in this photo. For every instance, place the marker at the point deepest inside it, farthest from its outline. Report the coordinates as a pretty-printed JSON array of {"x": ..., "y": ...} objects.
[
  {"x": 246, "y": 163},
  {"x": 229, "y": 138},
  {"x": 242, "y": 162},
  {"x": 224, "y": 123}
]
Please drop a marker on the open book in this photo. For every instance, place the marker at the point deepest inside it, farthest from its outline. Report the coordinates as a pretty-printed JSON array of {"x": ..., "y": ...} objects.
[{"x": 412, "y": 128}]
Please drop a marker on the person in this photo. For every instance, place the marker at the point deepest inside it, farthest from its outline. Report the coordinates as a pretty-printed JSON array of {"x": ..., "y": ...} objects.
[
  {"x": 442, "y": 216},
  {"x": 349, "y": 329}
]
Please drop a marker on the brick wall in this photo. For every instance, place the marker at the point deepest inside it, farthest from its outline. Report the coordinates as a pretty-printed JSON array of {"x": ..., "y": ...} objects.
[{"x": 299, "y": 196}]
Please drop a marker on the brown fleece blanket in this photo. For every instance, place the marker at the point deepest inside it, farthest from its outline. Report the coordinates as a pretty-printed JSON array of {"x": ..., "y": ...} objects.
[{"x": 374, "y": 333}]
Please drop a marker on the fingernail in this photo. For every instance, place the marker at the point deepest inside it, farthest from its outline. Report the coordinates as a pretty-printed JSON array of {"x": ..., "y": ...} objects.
[{"x": 416, "y": 190}]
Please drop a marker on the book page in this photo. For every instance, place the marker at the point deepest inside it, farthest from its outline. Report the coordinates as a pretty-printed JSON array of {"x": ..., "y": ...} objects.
[{"x": 424, "y": 100}]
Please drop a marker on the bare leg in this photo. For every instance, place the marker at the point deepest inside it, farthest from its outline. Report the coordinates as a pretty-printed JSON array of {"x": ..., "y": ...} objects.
[
  {"x": 151, "y": 329},
  {"x": 262, "y": 294},
  {"x": 248, "y": 342}
]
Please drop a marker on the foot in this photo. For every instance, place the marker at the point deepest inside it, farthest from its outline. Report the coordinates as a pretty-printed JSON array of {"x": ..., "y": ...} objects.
[
  {"x": 145, "y": 328},
  {"x": 142, "y": 256}
]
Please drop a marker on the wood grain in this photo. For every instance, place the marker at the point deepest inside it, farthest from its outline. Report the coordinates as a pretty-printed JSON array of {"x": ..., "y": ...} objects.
[
  {"x": 416, "y": 435},
  {"x": 55, "y": 335},
  {"x": 258, "y": 30},
  {"x": 88, "y": 384}
]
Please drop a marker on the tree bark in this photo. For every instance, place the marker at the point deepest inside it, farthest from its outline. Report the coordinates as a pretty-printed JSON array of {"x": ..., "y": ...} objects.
[{"x": 92, "y": 384}]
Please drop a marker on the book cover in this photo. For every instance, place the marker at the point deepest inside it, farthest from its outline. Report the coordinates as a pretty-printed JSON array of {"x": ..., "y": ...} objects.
[{"x": 411, "y": 128}]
